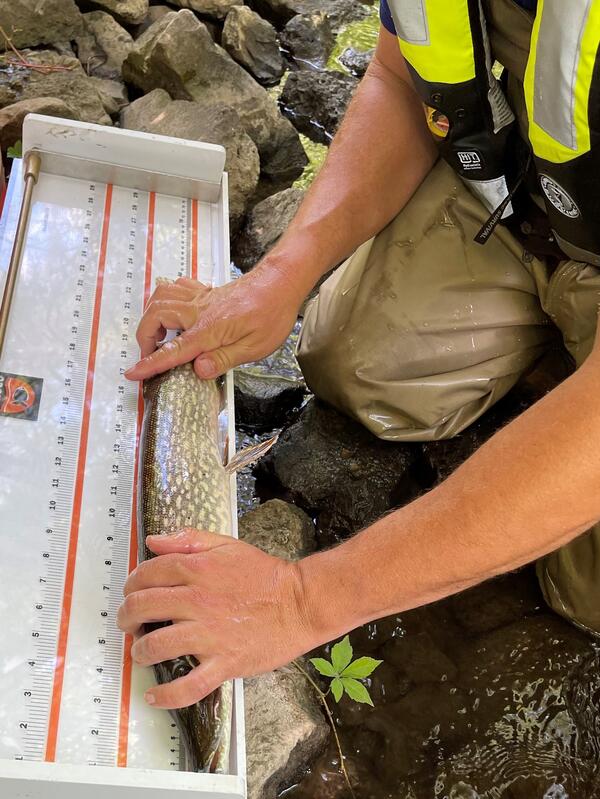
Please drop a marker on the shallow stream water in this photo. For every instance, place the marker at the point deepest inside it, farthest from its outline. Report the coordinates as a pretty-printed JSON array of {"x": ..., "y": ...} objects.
[{"x": 486, "y": 695}]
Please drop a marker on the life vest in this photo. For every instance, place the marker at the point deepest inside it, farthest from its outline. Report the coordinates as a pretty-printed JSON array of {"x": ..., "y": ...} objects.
[{"x": 446, "y": 46}]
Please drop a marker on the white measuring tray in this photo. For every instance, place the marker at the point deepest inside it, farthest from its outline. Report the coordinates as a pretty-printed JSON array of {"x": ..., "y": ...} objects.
[{"x": 112, "y": 211}]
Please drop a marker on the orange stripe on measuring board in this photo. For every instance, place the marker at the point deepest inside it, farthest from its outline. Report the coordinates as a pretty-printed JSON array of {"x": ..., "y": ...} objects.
[
  {"x": 59, "y": 669},
  {"x": 128, "y": 641},
  {"x": 194, "y": 269}
]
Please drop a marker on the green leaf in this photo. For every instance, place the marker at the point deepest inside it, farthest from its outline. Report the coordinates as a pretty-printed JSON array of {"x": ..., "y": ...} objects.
[
  {"x": 356, "y": 690},
  {"x": 16, "y": 151},
  {"x": 361, "y": 668},
  {"x": 341, "y": 654},
  {"x": 337, "y": 689},
  {"x": 324, "y": 667}
]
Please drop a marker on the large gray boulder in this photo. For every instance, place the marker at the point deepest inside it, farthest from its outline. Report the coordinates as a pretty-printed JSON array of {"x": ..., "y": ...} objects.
[
  {"x": 316, "y": 102},
  {"x": 104, "y": 45},
  {"x": 129, "y": 12},
  {"x": 309, "y": 39},
  {"x": 338, "y": 472},
  {"x": 71, "y": 84},
  {"x": 210, "y": 122},
  {"x": 31, "y": 22},
  {"x": 252, "y": 42},
  {"x": 285, "y": 727},
  {"x": 216, "y": 9},
  {"x": 265, "y": 223},
  {"x": 12, "y": 116},
  {"x": 178, "y": 54}
]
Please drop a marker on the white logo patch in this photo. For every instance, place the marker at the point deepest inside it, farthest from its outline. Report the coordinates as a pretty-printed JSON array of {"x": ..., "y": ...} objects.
[
  {"x": 559, "y": 198},
  {"x": 469, "y": 159}
]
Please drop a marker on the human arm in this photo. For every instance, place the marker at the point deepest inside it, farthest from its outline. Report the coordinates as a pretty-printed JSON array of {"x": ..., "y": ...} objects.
[
  {"x": 376, "y": 161},
  {"x": 530, "y": 489}
]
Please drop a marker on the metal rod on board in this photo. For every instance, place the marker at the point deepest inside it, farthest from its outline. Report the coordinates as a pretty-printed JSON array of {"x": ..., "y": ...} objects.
[{"x": 31, "y": 174}]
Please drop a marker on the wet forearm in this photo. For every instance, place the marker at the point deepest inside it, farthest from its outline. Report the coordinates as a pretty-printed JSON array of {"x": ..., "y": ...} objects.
[
  {"x": 531, "y": 488},
  {"x": 378, "y": 158}
]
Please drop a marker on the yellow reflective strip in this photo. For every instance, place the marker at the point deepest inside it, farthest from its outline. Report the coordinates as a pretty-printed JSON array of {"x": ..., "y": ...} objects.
[
  {"x": 544, "y": 145},
  {"x": 449, "y": 58}
]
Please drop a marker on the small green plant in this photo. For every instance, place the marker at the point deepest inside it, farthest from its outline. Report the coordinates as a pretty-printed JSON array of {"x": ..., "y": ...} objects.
[
  {"x": 16, "y": 151},
  {"x": 345, "y": 673}
]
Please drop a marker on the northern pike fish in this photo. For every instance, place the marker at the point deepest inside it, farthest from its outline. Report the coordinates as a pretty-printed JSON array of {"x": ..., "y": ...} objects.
[{"x": 185, "y": 484}]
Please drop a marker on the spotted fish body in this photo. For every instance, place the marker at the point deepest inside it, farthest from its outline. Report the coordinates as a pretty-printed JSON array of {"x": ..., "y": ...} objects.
[{"x": 184, "y": 484}]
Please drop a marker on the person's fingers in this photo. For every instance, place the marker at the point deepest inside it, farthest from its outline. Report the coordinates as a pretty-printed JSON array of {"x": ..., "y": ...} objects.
[
  {"x": 184, "y": 691},
  {"x": 172, "y": 353},
  {"x": 166, "y": 643},
  {"x": 194, "y": 285},
  {"x": 163, "y": 315},
  {"x": 219, "y": 361},
  {"x": 186, "y": 541},
  {"x": 170, "y": 291},
  {"x": 155, "y": 604},
  {"x": 168, "y": 570}
]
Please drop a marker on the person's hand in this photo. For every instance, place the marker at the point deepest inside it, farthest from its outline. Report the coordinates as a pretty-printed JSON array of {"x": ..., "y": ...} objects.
[
  {"x": 242, "y": 321},
  {"x": 239, "y": 611}
]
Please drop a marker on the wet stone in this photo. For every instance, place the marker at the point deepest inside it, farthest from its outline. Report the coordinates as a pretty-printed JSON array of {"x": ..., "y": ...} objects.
[
  {"x": 316, "y": 102},
  {"x": 308, "y": 39},
  {"x": 336, "y": 470},
  {"x": 265, "y": 401},
  {"x": 356, "y": 61},
  {"x": 265, "y": 223},
  {"x": 252, "y": 42},
  {"x": 280, "y": 529}
]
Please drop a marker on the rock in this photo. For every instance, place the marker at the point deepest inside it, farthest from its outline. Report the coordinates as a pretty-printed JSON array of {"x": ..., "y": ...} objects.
[
  {"x": 265, "y": 223},
  {"x": 210, "y": 122},
  {"x": 12, "y": 116},
  {"x": 280, "y": 529},
  {"x": 338, "y": 472},
  {"x": 264, "y": 401},
  {"x": 216, "y": 9},
  {"x": 316, "y": 102},
  {"x": 285, "y": 731},
  {"x": 129, "y": 12},
  {"x": 177, "y": 54},
  {"x": 309, "y": 39},
  {"x": 71, "y": 84},
  {"x": 32, "y": 22},
  {"x": 356, "y": 61},
  {"x": 112, "y": 93},
  {"x": 154, "y": 14},
  {"x": 252, "y": 41},
  {"x": 104, "y": 46},
  {"x": 339, "y": 12}
]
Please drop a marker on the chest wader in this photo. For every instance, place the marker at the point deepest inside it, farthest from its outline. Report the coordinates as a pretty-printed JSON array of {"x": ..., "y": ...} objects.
[{"x": 446, "y": 47}]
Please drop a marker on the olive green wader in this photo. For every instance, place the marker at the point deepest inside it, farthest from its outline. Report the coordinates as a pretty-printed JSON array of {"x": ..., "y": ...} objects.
[{"x": 422, "y": 330}]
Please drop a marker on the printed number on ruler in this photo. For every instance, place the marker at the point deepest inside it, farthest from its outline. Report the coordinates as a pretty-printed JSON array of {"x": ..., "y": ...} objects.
[{"x": 55, "y": 534}]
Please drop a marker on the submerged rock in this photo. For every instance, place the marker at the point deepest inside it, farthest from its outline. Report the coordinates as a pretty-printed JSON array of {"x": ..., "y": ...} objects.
[
  {"x": 265, "y": 223},
  {"x": 71, "y": 85},
  {"x": 309, "y": 39},
  {"x": 104, "y": 45},
  {"x": 12, "y": 116},
  {"x": 264, "y": 401},
  {"x": 178, "y": 54},
  {"x": 356, "y": 61},
  {"x": 130, "y": 12},
  {"x": 252, "y": 42},
  {"x": 209, "y": 122},
  {"x": 316, "y": 102},
  {"x": 338, "y": 472},
  {"x": 31, "y": 22}
]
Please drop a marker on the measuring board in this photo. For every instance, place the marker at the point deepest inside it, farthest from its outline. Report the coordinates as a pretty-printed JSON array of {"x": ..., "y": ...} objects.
[{"x": 69, "y": 429}]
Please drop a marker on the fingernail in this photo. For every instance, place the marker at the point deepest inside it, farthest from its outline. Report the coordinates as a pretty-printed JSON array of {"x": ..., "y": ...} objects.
[
  {"x": 149, "y": 697},
  {"x": 205, "y": 368}
]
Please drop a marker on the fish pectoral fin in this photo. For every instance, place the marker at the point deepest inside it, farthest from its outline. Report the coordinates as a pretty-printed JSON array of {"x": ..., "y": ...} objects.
[{"x": 249, "y": 455}]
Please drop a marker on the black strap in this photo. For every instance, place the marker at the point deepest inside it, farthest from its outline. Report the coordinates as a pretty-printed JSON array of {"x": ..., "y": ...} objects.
[{"x": 492, "y": 221}]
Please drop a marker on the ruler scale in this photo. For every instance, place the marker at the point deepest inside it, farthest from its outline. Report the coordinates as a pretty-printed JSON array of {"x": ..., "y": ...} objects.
[{"x": 70, "y": 694}]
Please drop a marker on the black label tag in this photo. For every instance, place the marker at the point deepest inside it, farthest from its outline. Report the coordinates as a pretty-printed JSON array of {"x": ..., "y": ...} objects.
[{"x": 20, "y": 396}]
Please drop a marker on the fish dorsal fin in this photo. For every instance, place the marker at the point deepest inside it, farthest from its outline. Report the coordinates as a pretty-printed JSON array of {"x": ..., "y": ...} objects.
[{"x": 249, "y": 455}]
